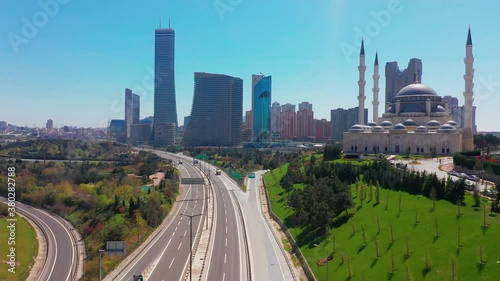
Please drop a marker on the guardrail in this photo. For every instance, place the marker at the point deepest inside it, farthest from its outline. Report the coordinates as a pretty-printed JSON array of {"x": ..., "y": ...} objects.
[{"x": 307, "y": 270}]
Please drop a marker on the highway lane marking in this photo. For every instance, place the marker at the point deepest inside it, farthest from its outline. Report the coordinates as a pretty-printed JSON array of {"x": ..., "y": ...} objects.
[
  {"x": 171, "y": 263},
  {"x": 225, "y": 257},
  {"x": 224, "y": 276},
  {"x": 176, "y": 229},
  {"x": 226, "y": 241},
  {"x": 178, "y": 223},
  {"x": 149, "y": 246},
  {"x": 226, "y": 229},
  {"x": 179, "y": 246},
  {"x": 185, "y": 232}
]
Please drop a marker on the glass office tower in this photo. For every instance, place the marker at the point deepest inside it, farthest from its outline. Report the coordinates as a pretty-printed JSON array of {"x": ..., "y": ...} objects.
[
  {"x": 216, "y": 113},
  {"x": 261, "y": 107},
  {"x": 165, "y": 110}
]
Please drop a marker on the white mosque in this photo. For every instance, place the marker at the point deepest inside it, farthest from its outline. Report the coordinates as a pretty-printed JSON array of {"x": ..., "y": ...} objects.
[{"x": 417, "y": 120}]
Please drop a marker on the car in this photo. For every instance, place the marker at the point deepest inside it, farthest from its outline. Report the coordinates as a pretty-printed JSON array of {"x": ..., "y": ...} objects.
[{"x": 474, "y": 177}]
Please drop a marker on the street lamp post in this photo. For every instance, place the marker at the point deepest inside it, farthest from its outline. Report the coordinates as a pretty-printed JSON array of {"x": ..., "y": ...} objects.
[
  {"x": 100, "y": 263},
  {"x": 190, "y": 242}
]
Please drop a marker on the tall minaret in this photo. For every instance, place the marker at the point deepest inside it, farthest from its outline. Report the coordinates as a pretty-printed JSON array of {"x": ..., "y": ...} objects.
[
  {"x": 468, "y": 143},
  {"x": 361, "y": 84},
  {"x": 375, "y": 101}
]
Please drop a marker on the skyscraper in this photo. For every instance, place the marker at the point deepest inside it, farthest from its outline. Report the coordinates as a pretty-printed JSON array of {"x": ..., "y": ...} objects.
[
  {"x": 165, "y": 110},
  {"x": 216, "y": 112},
  {"x": 261, "y": 107},
  {"x": 396, "y": 79},
  {"x": 343, "y": 119},
  {"x": 132, "y": 110}
]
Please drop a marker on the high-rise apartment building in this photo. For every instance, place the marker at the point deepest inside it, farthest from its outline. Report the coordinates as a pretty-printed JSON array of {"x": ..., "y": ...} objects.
[
  {"x": 261, "y": 107},
  {"x": 452, "y": 102},
  {"x": 49, "y": 124},
  {"x": 275, "y": 117},
  {"x": 305, "y": 120},
  {"x": 396, "y": 79},
  {"x": 165, "y": 109},
  {"x": 322, "y": 129},
  {"x": 288, "y": 121},
  {"x": 132, "y": 110},
  {"x": 343, "y": 119},
  {"x": 216, "y": 112}
]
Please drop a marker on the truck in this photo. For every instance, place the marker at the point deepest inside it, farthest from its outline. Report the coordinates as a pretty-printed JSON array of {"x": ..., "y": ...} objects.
[{"x": 218, "y": 171}]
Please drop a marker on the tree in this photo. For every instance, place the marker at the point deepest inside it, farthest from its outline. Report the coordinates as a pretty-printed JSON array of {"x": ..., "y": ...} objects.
[
  {"x": 481, "y": 254},
  {"x": 428, "y": 262},
  {"x": 477, "y": 197},
  {"x": 364, "y": 234},
  {"x": 432, "y": 195},
  {"x": 408, "y": 276},
  {"x": 459, "y": 234},
  {"x": 378, "y": 225},
  {"x": 377, "y": 193},
  {"x": 392, "y": 232},
  {"x": 453, "y": 269}
]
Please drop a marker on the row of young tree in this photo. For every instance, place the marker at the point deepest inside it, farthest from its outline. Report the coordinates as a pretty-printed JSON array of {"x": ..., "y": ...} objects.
[{"x": 326, "y": 191}]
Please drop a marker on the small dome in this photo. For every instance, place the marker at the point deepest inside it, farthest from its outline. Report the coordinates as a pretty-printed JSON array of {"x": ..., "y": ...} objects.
[
  {"x": 433, "y": 124},
  {"x": 371, "y": 124},
  {"x": 421, "y": 129},
  {"x": 356, "y": 128},
  {"x": 447, "y": 128},
  {"x": 399, "y": 126},
  {"x": 416, "y": 89},
  {"x": 409, "y": 122},
  {"x": 453, "y": 123},
  {"x": 378, "y": 129},
  {"x": 440, "y": 109},
  {"x": 386, "y": 124}
]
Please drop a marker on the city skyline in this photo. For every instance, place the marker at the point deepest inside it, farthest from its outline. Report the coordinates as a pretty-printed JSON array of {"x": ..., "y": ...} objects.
[{"x": 79, "y": 80}]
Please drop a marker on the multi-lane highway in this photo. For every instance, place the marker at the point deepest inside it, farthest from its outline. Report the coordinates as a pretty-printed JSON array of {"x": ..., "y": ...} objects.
[
  {"x": 62, "y": 252},
  {"x": 228, "y": 255},
  {"x": 167, "y": 256}
]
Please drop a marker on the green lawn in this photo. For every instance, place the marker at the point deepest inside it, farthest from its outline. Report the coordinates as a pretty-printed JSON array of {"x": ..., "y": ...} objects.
[
  {"x": 26, "y": 249},
  {"x": 421, "y": 238}
]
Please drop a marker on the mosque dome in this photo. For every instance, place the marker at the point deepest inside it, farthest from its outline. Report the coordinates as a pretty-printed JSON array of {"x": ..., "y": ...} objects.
[
  {"x": 453, "y": 123},
  {"x": 356, "y": 128},
  {"x": 421, "y": 129},
  {"x": 416, "y": 89},
  {"x": 409, "y": 122},
  {"x": 371, "y": 124},
  {"x": 386, "y": 124},
  {"x": 447, "y": 128},
  {"x": 433, "y": 124},
  {"x": 378, "y": 129},
  {"x": 399, "y": 126}
]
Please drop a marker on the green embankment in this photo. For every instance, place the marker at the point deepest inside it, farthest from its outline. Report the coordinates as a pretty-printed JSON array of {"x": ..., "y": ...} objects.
[
  {"x": 421, "y": 237},
  {"x": 26, "y": 249}
]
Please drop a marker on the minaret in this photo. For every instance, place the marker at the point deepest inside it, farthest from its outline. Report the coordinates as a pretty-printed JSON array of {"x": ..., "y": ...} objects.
[
  {"x": 361, "y": 84},
  {"x": 468, "y": 143},
  {"x": 375, "y": 101}
]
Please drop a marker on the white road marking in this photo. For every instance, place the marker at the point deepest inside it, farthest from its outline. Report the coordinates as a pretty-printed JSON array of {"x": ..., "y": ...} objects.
[
  {"x": 225, "y": 256},
  {"x": 226, "y": 242},
  {"x": 185, "y": 233},
  {"x": 226, "y": 219},
  {"x": 226, "y": 229},
  {"x": 171, "y": 263},
  {"x": 179, "y": 246},
  {"x": 224, "y": 276},
  {"x": 175, "y": 228}
]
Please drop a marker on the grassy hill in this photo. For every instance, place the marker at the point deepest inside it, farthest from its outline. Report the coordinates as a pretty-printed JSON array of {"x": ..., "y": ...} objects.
[{"x": 350, "y": 250}]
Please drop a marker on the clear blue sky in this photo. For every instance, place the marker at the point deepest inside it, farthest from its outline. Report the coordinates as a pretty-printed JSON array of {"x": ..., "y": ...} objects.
[{"x": 75, "y": 66}]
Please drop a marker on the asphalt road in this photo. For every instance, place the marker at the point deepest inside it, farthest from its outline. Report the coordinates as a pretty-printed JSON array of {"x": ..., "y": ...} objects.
[
  {"x": 227, "y": 257},
  {"x": 167, "y": 256},
  {"x": 62, "y": 253},
  {"x": 268, "y": 261}
]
